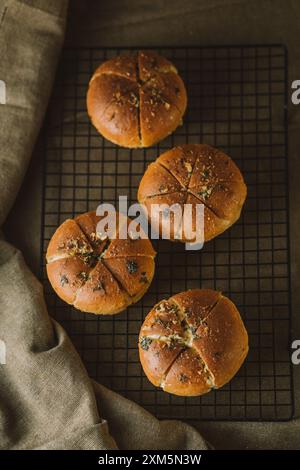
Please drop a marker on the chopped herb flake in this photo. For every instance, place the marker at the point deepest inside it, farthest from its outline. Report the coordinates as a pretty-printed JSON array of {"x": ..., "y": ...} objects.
[
  {"x": 83, "y": 276},
  {"x": 131, "y": 266},
  {"x": 183, "y": 378}
]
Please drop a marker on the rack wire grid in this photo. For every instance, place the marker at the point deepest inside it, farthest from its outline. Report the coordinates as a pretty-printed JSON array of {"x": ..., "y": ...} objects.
[{"x": 237, "y": 102}]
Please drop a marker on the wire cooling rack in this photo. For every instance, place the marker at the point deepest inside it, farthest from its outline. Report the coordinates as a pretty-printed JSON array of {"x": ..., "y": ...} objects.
[{"x": 237, "y": 102}]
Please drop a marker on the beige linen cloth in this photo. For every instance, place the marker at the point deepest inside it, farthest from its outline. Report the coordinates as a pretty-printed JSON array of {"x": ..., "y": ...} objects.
[{"x": 47, "y": 401}]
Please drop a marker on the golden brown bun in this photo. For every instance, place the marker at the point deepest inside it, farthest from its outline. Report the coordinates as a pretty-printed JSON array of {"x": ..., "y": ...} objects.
[
  {"x": 97, "y": 274},
  {"x": 159, "y": 358},
  {"x": 195, "y": 174},
  {"x": 136, "y": 101},
  {"x": 193, "y": 342}
]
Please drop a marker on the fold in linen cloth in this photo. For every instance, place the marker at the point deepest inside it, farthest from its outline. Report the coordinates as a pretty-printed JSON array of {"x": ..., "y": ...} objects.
[{"x": 47, "y": 400}]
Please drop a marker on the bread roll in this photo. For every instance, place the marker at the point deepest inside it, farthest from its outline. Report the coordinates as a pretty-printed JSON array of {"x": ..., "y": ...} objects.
[
  {"x": 94, "y": 273},
  {"x": 193, "y": 342},
  {"x": 136, "y": 101},
  {"x": 194, "y": 174}
]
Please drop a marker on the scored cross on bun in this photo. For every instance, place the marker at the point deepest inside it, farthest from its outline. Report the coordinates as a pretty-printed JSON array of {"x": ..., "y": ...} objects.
[
  {"x": 193, "y": 342},
  {"x": 194, "y": 174},
  {"x": 136, "y": 100},
  {"x": 97, "y": 274}
]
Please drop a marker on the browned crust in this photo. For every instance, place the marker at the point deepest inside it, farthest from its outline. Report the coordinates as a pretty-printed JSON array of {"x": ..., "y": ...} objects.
[
  {"x": 213, "y": 225},
  {"x": 149, "y": 62},
  {"x": 168, "y": 88},
  {"x": 206, "y": 176},
  {"x": 135, "y": 101},
  {"x": 129, "y": 247},
  {"x": 225, "y": 200},
  {"x": 213, "y": 165},
  {"x": 159, "y": 115},
  {"x": 208, "y": 334},
  {"x": 87, "y": 223},
  {"x": 85, "y": 272}
]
